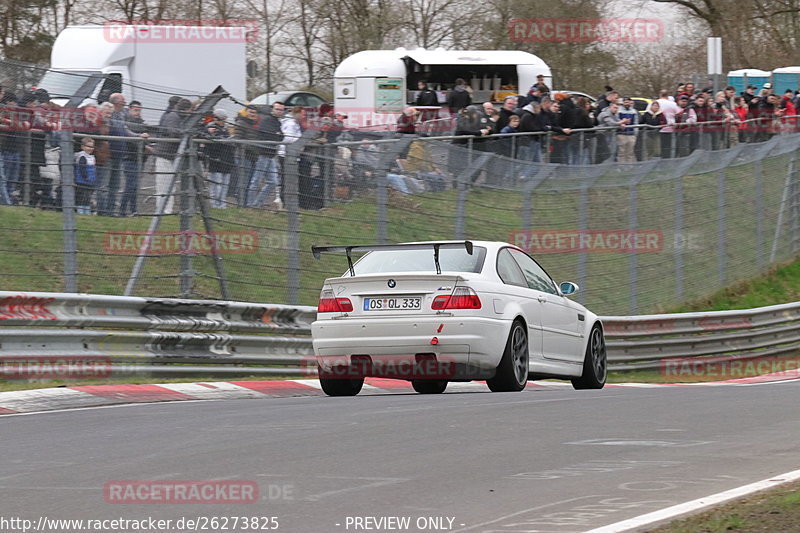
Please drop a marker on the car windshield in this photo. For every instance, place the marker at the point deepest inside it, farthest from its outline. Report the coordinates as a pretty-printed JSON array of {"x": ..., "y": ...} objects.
[
  {"x": 63, "y": 84},
  {"x": 450, "y": 260}
]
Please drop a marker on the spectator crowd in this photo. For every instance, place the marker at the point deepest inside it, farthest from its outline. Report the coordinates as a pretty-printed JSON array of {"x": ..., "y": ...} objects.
[{"x": 114, "y": 146}]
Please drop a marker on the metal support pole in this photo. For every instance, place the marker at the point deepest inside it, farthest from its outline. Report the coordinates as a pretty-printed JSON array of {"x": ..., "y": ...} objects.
[
  {"x": 633, "y": 265},
  {"x": 583, "y": 225},
  {"x": 759, "y": 179},
  {"x": 679, "y": 236},
  {"x": 784, "y": 200},
  {"x": 187, "y": 214},
  {"x": 68, "y": 212},
  {"x": 26, "y": 174},
  {"x": 291, "y": 188},
  {"x": 721, "y": 227},
  {"x": 205, "y": 212},
  {"x": 187, "y": 127}
]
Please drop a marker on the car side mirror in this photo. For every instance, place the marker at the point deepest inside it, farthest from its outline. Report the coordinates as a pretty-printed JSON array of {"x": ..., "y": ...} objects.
[{"x": 567, "y": 288}]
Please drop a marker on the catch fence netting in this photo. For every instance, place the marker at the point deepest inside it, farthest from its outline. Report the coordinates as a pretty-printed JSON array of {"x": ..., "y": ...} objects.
[{"x": 207, "y": 210}]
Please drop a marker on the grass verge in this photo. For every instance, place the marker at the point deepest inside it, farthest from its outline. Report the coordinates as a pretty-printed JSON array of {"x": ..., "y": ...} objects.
[{"x": 773, "y": 511}]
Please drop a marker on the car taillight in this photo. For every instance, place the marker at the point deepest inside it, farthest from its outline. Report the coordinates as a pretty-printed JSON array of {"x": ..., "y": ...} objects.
[
  {"x": 329, "y": 304},
  {"x": 462, "y": 298}
]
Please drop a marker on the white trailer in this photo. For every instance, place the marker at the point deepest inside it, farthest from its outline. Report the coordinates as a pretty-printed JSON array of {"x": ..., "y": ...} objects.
[
  {"x": 373, "y": 86},
  {"x": 148, "y": 63}
]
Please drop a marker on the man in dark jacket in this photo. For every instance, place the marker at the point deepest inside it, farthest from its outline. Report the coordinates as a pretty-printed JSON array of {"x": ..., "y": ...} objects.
[
  {"x": 107, "y": 198},
  {"x": 459, "y": 97},
  {"x": 165, "y": 153},
  {"x": 507, "y": 111},
  {"x": 244, "y": 128},
  {"x": 265, "y": 177},
  {"x": 134, "y": 158},
  {"x": 426, "y": 98}
]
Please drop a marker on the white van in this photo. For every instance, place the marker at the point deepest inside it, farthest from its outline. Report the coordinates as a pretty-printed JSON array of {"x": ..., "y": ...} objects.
[
  {"x": 148, "y": 63},
  {"x": 372, "y": 87}
]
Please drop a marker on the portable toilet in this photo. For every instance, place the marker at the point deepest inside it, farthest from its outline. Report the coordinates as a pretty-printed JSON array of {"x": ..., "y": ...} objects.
[
  {"x": 741, "y": 78},
  {"x": 785, "y": 78}
]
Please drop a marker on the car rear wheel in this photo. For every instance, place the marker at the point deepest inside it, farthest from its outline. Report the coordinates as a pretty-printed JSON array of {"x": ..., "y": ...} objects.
[
  {"x": 429, "y": 386},
  {"x": 594, "y": 362},
  {"x": 512, "y": 372},
  {"x": 339, "y": 386}
]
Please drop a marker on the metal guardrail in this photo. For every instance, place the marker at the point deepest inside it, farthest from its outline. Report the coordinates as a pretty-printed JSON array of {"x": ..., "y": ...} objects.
[
  {"x": 156, "y": 336},
  {"x": 177, "y": 337},
  {"x": 645, "y": 342}
]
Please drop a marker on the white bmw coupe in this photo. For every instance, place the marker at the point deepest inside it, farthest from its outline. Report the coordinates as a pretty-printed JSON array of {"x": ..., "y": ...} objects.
[{"x": 436, "y": 312}]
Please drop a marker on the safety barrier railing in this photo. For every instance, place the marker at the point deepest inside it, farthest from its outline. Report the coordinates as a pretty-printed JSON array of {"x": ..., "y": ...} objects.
[{"x": 177, "y": 337}]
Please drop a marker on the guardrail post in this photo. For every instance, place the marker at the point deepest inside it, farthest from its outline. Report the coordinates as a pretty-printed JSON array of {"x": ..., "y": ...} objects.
[
  {"x": 721, "y": 227},
  {"x": 68, "y": 213}
]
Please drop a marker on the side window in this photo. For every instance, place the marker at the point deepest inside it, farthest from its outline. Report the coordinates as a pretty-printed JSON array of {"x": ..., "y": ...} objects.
[
  {"x": 314, "y": 100},
  {"x": 535, "y": 275},
  {"x": 296, "y": 100},
  {"x": 508, "y": 270}
]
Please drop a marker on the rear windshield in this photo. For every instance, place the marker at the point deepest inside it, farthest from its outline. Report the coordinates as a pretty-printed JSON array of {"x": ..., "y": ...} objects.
[{"x": 450, "y": 260}]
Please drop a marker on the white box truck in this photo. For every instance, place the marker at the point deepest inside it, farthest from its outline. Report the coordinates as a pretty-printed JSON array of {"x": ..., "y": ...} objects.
[
  {"x": 373, "y": 86},
  {"x": 148, "y": 63}
]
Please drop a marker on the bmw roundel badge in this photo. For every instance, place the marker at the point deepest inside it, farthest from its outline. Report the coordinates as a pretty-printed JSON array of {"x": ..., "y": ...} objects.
[{"x": 391, "y": 283}]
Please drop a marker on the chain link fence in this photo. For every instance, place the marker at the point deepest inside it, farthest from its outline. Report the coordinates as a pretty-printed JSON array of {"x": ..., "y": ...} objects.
[{"x": 207, "y": 211}]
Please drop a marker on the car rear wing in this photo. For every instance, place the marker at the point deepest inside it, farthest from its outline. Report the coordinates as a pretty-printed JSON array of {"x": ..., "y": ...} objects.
[{"x": 435, "y": 246}]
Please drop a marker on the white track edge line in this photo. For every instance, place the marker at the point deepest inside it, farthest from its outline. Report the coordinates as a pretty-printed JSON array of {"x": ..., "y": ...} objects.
[{"x": 696, "y": 505}]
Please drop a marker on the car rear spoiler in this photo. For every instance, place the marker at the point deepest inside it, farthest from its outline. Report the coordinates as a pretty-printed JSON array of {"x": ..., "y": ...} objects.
[{"x": 318, "y": 250}]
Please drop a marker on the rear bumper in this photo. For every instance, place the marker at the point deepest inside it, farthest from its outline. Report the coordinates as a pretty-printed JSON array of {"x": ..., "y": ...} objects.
[{"x": 464, "y": 347}]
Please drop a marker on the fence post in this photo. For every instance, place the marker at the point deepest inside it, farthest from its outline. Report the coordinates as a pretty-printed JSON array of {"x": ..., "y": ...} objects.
[
  {"x": 187, "y": 131},
  {"x": 187, "y": 199},
  {"x": 758, "y": 171},
  {"x": 721, "y": 227},
  {"x": 461, "y": 205},
  {"x": 26, "y": 165},
  {"x": 547, "y": 137},
  {"x": 68, "y": 212},
  {"x": 794, "y": 208},
  {"x": 678, "y": 235},
  {"x": 633, "y": 265},
  {"x": 291, "y": 188},
  {"x": 583, "y": 214}
]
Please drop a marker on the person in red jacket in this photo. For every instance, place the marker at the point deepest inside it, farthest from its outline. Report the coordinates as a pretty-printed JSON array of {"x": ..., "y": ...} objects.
[{"x": 789, "y": 120}]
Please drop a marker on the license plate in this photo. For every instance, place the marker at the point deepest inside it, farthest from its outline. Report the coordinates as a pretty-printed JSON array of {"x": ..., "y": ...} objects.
[{"x": 393, "y": 303}]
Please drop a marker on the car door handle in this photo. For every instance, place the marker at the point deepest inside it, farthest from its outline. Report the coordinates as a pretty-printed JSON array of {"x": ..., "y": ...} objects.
[{"x": 542, "y": 299}]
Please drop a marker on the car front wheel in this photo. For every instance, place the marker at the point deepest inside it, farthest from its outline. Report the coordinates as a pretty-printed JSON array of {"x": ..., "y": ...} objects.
[
  {"x": 594, "y": 362},
  {"x": 512, "y": 372}
]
